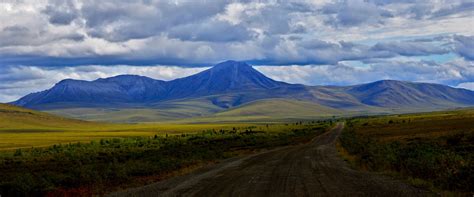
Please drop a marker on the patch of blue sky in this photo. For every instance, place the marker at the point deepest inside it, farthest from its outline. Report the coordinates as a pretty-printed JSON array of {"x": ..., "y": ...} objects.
[
  {"x": 355, "y": 64},
  {"x": 442, "y": 58}
]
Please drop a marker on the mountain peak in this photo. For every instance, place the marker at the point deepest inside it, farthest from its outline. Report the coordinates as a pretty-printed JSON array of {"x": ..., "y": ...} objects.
[
  {"x": 121, "y": 79},
  {"x": 228, "y": 76},
  {"x": 232, "y": 83},
  {"x": 71, "y": 82},
  {"x": 231, "y": 65}
]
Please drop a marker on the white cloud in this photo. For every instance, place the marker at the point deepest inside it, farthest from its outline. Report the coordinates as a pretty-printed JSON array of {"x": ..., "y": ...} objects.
[
  {"x": 450, "y": 73},
  {"x": 235, "y": 12},
  {"x": 164, "y": 32},
  {"x": 17, "y": 81},
  {"x": 466, "y": 85},
  {"x": 45, "y": 33}
]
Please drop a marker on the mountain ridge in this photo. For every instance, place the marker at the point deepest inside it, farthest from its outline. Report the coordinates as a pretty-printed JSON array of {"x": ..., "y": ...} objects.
[{"x": 230, "y": 84}]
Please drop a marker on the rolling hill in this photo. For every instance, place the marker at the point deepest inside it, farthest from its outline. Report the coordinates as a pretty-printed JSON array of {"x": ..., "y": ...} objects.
[
  {"x": 24, "y": 128},
  {"x": 390, "y": 93},
  {"x": 17, "y": 118},
  {"x": 277, "y": 109},
  {"x": 230, "y": 87}
]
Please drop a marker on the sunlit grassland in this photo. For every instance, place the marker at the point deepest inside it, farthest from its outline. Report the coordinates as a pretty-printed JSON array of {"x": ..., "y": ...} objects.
[
  {"x": 100, "y": 166},
  {"x": 432, "y": 150},
  {"x": 22, "y": 128},
  {"x": 204, "y": 111},
  {"x": 416, "y": 126},
  {"x": 24, "y": 138}
]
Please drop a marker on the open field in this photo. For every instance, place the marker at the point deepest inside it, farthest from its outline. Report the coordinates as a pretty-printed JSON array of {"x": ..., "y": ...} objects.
[
  {"x": 417, "y": 126},
  {"x": 100, "y": 166},
  {"x": 204, "y": 111},
  {"x": 166, "y": 111},
  {"x": 433, "y": 150},
  {"x": 20, "y": 128},
  {"x": 278, "y": 109}
]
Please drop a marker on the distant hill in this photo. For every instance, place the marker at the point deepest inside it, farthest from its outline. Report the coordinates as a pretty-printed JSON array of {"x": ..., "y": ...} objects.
[
  {"x": 17, "y": 118},
  {"x": 277, "y": 109},
  {"x": 227, "y": 86},
  {"x": 390, "y": 93}
]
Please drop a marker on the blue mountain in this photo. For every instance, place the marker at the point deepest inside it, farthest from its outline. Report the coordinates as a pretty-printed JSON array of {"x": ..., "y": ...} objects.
[
  {"x": 119, "y": 89},
  {"x": 232, "y": 83},
  {"x": 226, "y": 77},
  {"x": 391, "y": 93}
]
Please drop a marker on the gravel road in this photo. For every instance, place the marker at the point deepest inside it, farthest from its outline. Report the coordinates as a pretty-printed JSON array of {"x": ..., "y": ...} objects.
[{"x": 312, "y": 169}]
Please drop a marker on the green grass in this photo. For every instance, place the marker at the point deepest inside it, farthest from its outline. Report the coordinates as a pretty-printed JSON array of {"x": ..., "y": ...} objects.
[
  {"x": 44, "y": 154},
  {"x": 434, "y": 149},
  {"x": 204, "y": 111},
  {"x": 270, "y": 110},
  {"x": 280, "y": 109},
  {"x": 161, "y": 112},
  {"x": 100, "y": 166},
  {"x": 20, "y": 128}
]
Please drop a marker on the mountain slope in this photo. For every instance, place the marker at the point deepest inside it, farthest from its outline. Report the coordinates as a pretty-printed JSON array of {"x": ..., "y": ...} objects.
[
  {"x": 268, "y": 109},
  {"x": 229, "y": 76},
  {"x": 162, "y": 111},
  {"x": 17, "y": 118},
  {"x": 119, "y": 89},
  {"x": 390, "y": 93},
  {"x": 226, "y": 86}
]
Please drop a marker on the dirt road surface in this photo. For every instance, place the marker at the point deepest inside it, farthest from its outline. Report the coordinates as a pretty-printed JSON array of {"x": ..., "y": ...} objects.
[{"x": 312, "y": 169}]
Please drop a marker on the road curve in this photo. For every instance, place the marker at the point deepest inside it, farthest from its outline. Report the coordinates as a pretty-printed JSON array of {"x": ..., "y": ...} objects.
[{"x": 312, "y": 169}]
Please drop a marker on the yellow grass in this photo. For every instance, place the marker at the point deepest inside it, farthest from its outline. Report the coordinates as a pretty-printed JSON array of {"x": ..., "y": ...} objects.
[
  {"x": 23, "y": 128},
  {"x": 423, "y": 125}
]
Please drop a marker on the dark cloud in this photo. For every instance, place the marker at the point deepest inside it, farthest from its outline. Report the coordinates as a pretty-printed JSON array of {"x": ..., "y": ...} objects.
[
  {"x": 424, "y": 9},
  {"x": 215, "y": 31},
  {"x": 124, "y": 20},
  {"x": 8, "y": 77},
  {"x": 354, "y": 13},
  {"x": 271, "y": 50},
  {"x": 318, "y": 44},
  {"x": 15, "y": 35},
  {"x": 464, "y": 46},
  {"x": 408, "y": 48},
  {"x": 58, "y": 34},
  {"x": 200, "y": 32},
  {"x": 18, "y": 35},
  {"x": 432, "y": 39},
  {"x": 460, "y": 8},
  {"x": 61, "y": 12}
]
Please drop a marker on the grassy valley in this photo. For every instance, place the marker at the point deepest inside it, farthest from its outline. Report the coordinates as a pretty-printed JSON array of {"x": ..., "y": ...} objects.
[
  {"x": 432, "y": 150},
  {"x": 159, "y": 112},
  {"x": 204, "y": 111},
  {"x": 133, "y": 157},
  {"x": 273, "y": 110},
  {"x": 21, "y": 128}
]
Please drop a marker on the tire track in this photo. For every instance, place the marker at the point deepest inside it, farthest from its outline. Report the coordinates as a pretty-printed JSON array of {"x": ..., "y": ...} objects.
[{"x": 312, "y": 169}]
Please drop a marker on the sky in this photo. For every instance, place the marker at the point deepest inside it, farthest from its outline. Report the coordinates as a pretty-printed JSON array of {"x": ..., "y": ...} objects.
[{"x": 318, "y": 42}]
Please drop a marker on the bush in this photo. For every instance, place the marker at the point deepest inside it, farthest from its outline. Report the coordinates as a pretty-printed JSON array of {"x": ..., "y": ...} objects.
[
  {"x": 86, "y": 167},
  {"x": 428, "y": 160}
]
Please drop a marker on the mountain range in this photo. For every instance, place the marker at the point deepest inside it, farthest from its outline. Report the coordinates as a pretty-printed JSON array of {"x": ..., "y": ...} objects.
[{"x": 235, "y": 88}]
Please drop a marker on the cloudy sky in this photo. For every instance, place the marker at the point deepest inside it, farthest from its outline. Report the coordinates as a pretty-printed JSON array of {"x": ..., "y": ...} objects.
[{"x": 315, "y": 42}]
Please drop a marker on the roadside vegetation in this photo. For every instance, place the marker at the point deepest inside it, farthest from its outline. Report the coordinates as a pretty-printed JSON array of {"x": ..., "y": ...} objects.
[
  {"x": 101, "y": 166},
  {"x": 431, "y": 150}
]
